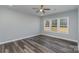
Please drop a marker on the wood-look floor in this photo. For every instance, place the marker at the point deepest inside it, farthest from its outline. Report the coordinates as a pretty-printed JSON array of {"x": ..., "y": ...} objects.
[{"x": 39, "y": 44}]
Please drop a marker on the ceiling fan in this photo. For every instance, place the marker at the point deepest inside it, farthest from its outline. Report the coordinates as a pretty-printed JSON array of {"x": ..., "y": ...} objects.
[{"x": 42, "y": 9}]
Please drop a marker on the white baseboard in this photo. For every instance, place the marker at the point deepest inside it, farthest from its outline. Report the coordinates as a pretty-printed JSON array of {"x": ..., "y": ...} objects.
[
  {"x": 18, "y": 39},
  {"x": 59, "y": 37},
  {"x": 35, "y": 35}
]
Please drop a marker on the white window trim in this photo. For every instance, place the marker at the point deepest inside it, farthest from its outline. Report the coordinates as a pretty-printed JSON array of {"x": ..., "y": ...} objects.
[
  {"x": 49, "y": 25},
  {"x": 58, "y": 25},
  {"x": 67, "y": 24}
]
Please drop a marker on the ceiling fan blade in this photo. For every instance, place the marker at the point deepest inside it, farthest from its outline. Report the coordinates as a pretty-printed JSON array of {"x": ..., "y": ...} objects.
[
  {"x": 46, "y": 9},
  {"x": 41, "y": 6},
  {"x": 43, "y": 11}
]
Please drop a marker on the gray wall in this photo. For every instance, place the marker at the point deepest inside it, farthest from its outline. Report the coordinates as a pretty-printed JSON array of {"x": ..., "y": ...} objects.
[
  {"x": 73, "y": 19},
  {"x": 15, "y": 25}
]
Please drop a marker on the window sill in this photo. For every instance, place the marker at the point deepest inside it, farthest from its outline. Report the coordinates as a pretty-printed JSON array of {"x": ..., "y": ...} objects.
[{"x": 56, "y": 32}]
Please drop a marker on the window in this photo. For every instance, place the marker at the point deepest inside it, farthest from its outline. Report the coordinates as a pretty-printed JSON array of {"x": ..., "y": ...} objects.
[
  {"x": 63, "y": 25},
  {"x": 47, "y": 25},
  {"x": 54, "y": 25},
  {"x": 57, "y": 25}
]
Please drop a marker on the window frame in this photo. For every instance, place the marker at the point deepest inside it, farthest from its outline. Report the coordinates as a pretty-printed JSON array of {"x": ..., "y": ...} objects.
[
  {"x": 67, "y": 18},
  {"x": 49, "y": 25},
  {"x": 58, "y": 24}
]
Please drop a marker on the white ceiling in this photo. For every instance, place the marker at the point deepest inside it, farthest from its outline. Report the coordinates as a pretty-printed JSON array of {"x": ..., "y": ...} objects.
[{"x": 28, "y": 8}]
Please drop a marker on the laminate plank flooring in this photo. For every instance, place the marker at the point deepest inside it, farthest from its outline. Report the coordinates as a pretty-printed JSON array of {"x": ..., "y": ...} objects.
[{"x": 40, "y": 44}]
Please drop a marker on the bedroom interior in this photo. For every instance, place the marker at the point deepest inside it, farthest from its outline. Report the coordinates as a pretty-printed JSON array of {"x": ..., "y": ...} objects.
[{"x": 39, "y": 28}]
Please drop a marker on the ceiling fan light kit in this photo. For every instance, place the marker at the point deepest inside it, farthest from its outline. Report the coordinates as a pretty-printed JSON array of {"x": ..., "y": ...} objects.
[{"x": 41, "y": 10}]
